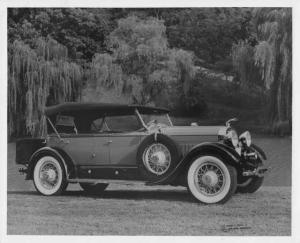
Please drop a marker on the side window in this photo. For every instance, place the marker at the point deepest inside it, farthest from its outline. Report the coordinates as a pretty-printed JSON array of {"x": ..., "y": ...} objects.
[
  {"x": 97, "y": 125},
  {"x": 122, "y": 123},
  {"x": 65, "y": 124}
]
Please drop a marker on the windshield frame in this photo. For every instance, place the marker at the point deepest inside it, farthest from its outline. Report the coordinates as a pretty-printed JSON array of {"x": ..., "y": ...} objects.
[
  {"x": 144, "y": 124},
  {"x": 169, "y": 118},
  {"x": 137, "y": 113}
]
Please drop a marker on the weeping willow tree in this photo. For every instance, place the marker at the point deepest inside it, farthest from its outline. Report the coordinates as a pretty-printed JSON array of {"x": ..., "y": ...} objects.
[
  {"x": 38, "y": 77},
  {"x": 141, "y": 64},
  {"x": 269, "y": 64},
  {"x": 105, "y": 73},
  {"x": 244, "y": 65},
  {"x": 273, "y": 55}
]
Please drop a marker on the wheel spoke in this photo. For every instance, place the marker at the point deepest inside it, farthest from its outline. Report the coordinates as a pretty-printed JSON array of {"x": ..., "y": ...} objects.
[
  {"x": 49, "y": 175},
  {"x": 210, "y": 178},
  {"x": 157, "y": 158}
]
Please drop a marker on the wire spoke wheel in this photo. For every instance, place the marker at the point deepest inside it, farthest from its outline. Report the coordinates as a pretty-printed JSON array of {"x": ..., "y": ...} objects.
[
  {"x": 210, "y": 180},
  {"x": 157, "y": 158},
  {"x": 48, "y": 176}
]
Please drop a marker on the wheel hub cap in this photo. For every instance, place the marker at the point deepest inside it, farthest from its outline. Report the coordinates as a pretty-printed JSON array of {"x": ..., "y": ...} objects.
[
  {"x": 159, "y": 158},
  {"x": 51, "y": 175},
  {"x": 210, "y": 178}
]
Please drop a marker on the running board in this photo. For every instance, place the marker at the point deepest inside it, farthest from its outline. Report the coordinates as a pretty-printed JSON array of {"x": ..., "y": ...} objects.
[{"x": 108, "y": 181}]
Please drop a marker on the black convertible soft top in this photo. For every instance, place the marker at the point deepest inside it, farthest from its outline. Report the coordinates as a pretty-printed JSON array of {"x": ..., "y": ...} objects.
[{"x": 81, "y": 108}]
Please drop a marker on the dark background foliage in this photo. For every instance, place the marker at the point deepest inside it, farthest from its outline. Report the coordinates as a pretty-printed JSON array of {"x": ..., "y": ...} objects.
[{"x": 210, "y": 64}]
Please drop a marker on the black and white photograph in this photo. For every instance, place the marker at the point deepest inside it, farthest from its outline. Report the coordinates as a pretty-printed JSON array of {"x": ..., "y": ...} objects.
[{"x": 171, "y": 120}]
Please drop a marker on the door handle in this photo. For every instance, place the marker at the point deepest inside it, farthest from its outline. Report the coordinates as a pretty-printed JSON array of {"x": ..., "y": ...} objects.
[{"x": 64, "y": 141}]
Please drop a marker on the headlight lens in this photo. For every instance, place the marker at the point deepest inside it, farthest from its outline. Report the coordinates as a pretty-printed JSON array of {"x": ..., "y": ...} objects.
[
  {"x": 246, "y": 138},
  {"x": 232, "y": 135}
]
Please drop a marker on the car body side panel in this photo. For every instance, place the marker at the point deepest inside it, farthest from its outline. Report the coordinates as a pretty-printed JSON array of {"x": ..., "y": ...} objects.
[
  {"x": 191, "y": 130},
  {"x": 123, "y": 148},
  {"x": 79, "y": 148},
  {"x": 187, "y": 142},
  {"x": 100, "y": 149},
  {"x": 100, "y": 153}
]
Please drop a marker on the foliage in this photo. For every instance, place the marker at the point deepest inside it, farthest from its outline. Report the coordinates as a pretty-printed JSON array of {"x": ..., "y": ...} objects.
[
  {"x": 37, "y": 77},
  {"x": 247, "y": 72},
  {"x": 271, "y": 58},
  {"x": 82, "y": 31},
  {"x": 141, "y": 62},
  {"x": 148, "y": 56},
  {"x": 106, "y": 73},
  {"x": 208, "y": 32},
  {"x": 273, "y": 55}
]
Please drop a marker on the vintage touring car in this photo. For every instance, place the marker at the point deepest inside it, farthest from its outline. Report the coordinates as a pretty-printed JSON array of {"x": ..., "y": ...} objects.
[{"x": 95, "y": 144}]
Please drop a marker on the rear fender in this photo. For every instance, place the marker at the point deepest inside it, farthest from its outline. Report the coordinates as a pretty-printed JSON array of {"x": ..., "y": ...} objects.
[
  {"x": 72, "y": 169},
  {"x": 45, "y": 151},
  {"x": 227, "y": 153}
]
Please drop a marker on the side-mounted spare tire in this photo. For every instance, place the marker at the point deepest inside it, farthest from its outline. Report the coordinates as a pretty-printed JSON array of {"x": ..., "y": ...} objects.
[{"x": 157, "y": 156}]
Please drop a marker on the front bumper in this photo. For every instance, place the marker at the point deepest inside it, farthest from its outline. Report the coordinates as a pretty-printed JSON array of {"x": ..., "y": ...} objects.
[
  {"x": 259, "y": 172},
  {"x": 23, "y": 170}
]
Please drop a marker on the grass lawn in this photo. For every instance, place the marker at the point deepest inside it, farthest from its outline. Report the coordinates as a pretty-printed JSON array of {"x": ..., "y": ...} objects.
[{"x": 149, "y": 211}]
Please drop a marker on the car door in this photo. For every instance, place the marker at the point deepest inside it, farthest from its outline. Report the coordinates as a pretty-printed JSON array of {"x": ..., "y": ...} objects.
[
  {"x": 123, "y": 148},
  {"x": 124, "y": 139},
  {"x": 90, "y": 146},
  {"x": 101, "y": 149},
  {"x": 100, "y": 143},
  {"x": 77, "y": 145}
]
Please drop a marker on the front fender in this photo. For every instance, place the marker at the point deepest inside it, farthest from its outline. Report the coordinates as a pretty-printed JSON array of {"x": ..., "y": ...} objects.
[
  {"x": 43, "y": 152},
  {"x": 229, "y": 155},
  {"x": 259, "y": 151}
]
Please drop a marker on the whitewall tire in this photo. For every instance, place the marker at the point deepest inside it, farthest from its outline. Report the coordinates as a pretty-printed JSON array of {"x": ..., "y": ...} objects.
[
  {"x": 49, "y": 176},
  {"x": 210, "y": 180}
]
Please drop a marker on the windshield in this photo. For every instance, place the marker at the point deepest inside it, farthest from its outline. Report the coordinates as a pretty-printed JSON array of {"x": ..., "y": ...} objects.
[
  {"x": 116, "y": 124},
  {"x": 156, "y": 118}
]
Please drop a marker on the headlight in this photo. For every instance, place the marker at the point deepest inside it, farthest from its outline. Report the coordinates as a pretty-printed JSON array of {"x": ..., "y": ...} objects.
[
  {"x": 232, "y": 135},
  {"x": 246, "y": 138}
]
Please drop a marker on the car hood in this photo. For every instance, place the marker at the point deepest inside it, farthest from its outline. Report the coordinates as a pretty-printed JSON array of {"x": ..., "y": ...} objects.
[{"x": 191, "y": 130}]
